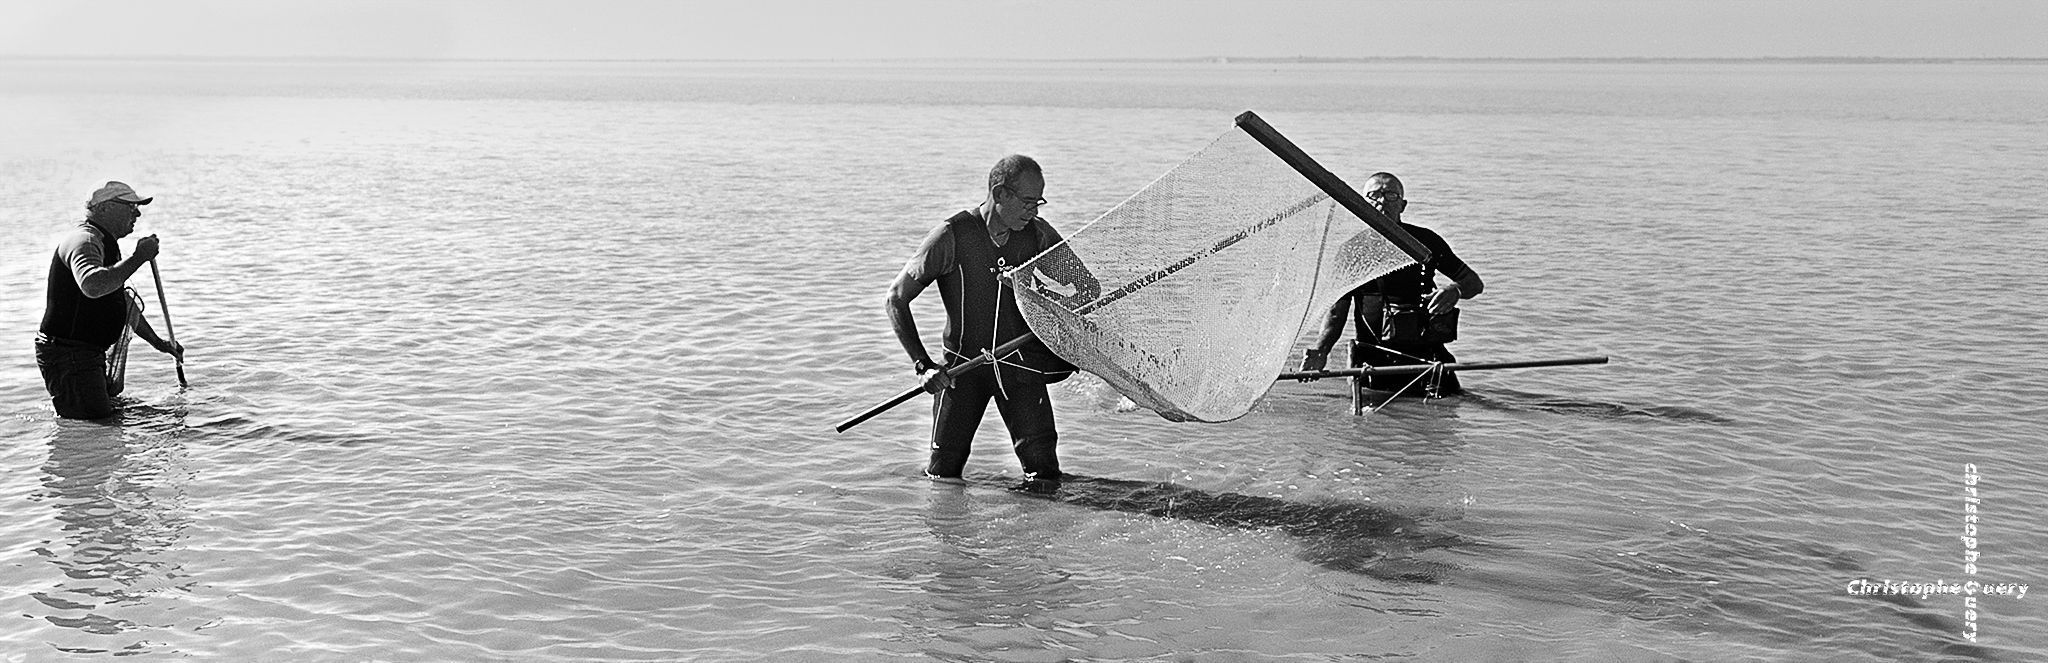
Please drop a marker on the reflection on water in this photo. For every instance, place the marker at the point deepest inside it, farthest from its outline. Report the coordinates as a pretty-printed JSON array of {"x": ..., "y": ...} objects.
[
  {"x": 986, "y": 579},
  {"x": 116, "y": 486}
]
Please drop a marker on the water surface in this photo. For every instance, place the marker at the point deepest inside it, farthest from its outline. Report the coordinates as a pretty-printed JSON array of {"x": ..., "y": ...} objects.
[{"x": 538, "y": 361}]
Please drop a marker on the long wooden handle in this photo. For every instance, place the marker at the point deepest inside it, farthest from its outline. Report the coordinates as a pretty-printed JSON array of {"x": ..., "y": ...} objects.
[
  {"x": 1418, "y": 368},
  {"x": 170, "y": 333},
  {"x": 1252, "y": 124},
  {"x": 914, "y": 391}
]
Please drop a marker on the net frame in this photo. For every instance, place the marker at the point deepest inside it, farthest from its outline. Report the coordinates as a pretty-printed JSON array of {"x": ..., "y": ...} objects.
[
  {"x": 117, "y": 354},
  {"x": 1188, "y": 370}
]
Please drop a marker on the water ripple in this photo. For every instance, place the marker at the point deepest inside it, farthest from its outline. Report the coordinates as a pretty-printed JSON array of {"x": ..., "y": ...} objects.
[{"x": 550, "y": 377}]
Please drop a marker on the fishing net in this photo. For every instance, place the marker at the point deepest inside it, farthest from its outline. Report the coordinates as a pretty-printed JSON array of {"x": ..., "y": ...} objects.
[
  {"x": 1193, "y": 292},
  {"x": 117, "y": 354}
]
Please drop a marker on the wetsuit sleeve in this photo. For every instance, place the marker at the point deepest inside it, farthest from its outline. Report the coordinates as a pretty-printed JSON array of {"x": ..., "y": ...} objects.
[
  {"x": 81, "y": 253},
  {"x": 1448, "y": 264},
  {"x": 934, "y": 257},
  {"x": 1441, "y": 257},
  {"x": 1049, "y": 234}
]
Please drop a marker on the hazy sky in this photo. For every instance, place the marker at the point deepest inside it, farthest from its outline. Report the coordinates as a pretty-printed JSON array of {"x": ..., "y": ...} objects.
[{"x": 1056, "y": 29}]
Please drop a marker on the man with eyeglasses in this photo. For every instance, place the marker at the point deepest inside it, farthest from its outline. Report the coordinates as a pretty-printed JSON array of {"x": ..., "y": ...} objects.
[
  {"x": 1403, "y": 318},
  {"x": 967, "y": 256},
  {"x": 87, "y": 306}
]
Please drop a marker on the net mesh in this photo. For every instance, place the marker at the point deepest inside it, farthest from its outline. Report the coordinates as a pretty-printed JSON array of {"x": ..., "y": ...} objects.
[
  {"x": 117, "y": 354},
  {"x": 1203, "y": 281}
]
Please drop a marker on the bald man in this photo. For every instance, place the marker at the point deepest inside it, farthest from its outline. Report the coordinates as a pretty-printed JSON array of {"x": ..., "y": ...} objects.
[{"x": 1395, "y": 313}]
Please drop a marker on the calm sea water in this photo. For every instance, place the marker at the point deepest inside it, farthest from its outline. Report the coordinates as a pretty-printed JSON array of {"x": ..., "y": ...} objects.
[{"x": 497, "y": 361}]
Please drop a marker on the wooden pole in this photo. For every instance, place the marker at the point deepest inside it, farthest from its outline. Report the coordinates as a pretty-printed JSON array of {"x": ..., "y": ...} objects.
[
  {"x": 1252, "y": 124},
  {"x": 914, "y": 391},
  {"x": 170, "y": 334},
  {"x": 1410, "y": 369}
]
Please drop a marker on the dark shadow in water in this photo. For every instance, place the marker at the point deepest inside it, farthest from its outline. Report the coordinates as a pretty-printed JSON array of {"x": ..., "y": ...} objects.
[
  {"x": 1690, "y": 580},
  {"x": 1522, "y": 401},
  {"x": 992, "y": 576},
  {"x": 1358, "y": 538}
]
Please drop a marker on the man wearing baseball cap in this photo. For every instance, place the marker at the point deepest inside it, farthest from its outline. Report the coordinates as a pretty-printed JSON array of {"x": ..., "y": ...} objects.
[{"x": 88, "y": 306}]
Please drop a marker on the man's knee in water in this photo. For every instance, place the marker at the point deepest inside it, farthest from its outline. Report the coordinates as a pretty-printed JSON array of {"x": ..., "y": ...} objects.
[
  {"x": 945, "y": 464},
  {"x": 1039, "y": 453}
]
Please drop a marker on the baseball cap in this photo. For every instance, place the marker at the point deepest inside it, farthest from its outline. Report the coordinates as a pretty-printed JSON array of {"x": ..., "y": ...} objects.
[{"x": 117, "y": 191}]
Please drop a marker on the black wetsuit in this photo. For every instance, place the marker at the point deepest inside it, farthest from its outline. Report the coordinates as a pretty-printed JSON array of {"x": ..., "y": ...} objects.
[
  {"x": 981, "y": 313},
  {"x": 71, "y": 344},
  {"x": 1405, "y": 289}
]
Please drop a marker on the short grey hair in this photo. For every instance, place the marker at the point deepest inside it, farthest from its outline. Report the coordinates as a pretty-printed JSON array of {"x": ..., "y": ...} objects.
[{"x": 1009, "y": 168}]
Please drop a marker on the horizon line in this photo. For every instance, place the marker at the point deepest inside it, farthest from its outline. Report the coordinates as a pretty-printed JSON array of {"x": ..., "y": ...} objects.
[{"x": 1214, "y": 59}]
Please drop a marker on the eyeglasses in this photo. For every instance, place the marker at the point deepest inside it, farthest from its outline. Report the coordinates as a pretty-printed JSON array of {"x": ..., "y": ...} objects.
[
  {"x": 1385, "y": 197},
  {"x": 1028, "y": 202}
]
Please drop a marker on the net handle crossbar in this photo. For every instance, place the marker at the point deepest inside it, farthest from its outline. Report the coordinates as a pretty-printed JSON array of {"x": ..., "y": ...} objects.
[
  {"x": 1420, "y": 368},
  {"x": 956, "y": 371},
  {"x": 1252, "y": 124}
]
